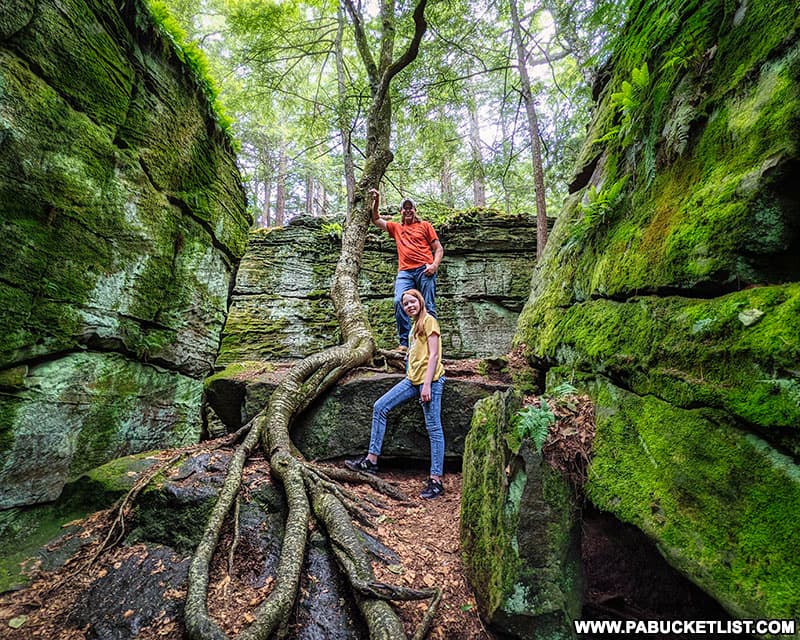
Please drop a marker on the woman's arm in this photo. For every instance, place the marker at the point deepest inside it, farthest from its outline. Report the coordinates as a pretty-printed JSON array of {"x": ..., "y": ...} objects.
[{"x": 433, "y": 359}]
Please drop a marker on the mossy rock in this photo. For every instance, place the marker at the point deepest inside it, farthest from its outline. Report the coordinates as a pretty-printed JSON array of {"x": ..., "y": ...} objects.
[
  {"x": 26, "y": 531},
  {"x": 281, "y": 307},
  {"x": 77, "y": 412},
  {"x": 519, "y": 530},
  {"x": 718, "y": 501},
  {"x": 671, "y": 279}
]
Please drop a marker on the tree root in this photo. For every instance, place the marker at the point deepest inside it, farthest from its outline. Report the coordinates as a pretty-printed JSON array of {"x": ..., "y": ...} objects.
[{"x": 377, "y": 483}]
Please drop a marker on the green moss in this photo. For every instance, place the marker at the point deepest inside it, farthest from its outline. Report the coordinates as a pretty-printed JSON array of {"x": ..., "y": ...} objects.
[
  {"x": 9, "y": 409},
  {"x": 24, "y": 531},
  {"x": 488, "y": 531},
  {"x": 182, "y": 530},
  {"x": 719, "y": 502},
  {"x": 690, "y": 352},
  {"x": 692, "y": 219}
]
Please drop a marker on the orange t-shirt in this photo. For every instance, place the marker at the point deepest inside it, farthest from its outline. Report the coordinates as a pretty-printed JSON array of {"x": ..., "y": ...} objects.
[{"x": 413, "y": 243}]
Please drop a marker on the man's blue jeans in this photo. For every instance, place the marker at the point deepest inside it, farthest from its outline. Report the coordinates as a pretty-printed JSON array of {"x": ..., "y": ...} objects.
[
  {"x": 412, "y": 279},
  {"x": 402, "y": 392}
]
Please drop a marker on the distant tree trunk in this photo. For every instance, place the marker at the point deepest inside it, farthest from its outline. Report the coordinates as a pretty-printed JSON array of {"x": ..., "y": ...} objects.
[
  {"x": 533, "y": 124},
  {"x": 344, "y": 120},
  {"x": 446, "y": 183},
  {"x": 253, "y": 195},
  {"x": 309, "y": 195},
  {"x": 265, "y": 210},
  {"x": 478, "y": 175},
  {"x": 280, "y": 190}
]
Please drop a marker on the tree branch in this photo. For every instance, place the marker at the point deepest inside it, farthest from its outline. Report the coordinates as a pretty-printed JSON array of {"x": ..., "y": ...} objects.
[
  {"x": 361, "y": 43},
  {"x": 410, "y": 54}
]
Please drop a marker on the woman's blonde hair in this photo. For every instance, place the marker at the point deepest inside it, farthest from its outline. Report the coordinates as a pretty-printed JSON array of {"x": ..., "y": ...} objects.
[{"x": 419, "y": 323}]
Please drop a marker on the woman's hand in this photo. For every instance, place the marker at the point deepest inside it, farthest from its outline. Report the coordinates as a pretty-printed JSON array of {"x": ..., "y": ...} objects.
[{"x": 425, "y": 394}]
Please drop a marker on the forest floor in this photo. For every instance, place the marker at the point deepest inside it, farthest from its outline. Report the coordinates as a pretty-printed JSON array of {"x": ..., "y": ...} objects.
[{"x": 423, "y": 533}]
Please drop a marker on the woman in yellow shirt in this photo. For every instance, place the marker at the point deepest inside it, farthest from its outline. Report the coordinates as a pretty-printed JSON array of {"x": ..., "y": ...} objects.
[{"x": 424, "y": 380}]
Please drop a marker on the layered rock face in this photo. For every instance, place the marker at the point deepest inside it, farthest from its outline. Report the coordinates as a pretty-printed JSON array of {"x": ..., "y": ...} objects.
[
  {"x": 670, "y": 290},
  {"x": 121, "y": 220},
  {"x": 281, "y": 311},
  {"x": 280, "y": 307}
]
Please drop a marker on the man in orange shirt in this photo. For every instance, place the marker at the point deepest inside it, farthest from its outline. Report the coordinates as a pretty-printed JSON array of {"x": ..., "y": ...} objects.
[{"x": 419, "y": 254}]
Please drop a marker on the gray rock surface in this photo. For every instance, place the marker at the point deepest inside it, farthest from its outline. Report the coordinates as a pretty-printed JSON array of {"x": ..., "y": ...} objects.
[
  {"x": 280, "y": 307},
  {"x": 121, "y": 219}
]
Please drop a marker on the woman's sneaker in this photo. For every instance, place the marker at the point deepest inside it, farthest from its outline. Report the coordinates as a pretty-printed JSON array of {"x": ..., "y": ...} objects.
[
  {"x": 362, "y": 464},
  {"x": 433, "y": 490}
]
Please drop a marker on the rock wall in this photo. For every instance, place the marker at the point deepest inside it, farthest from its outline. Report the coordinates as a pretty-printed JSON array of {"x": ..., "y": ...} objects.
[
  {"x": 280, "y": 307},
  {"x": 122, "y": 217},
  {"x": 670, "y": 290}
]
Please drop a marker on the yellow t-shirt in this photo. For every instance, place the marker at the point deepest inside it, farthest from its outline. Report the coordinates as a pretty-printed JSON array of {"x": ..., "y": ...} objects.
[{"x": 418, "y": 352}]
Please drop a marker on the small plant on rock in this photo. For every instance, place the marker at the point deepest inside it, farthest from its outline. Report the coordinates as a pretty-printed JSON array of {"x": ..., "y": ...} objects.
[{"x": 534, "y": 423}]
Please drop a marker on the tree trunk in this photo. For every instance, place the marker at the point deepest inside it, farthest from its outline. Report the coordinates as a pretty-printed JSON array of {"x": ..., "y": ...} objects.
[
  {"x": 280, "y": 190},
  {"x": 478, "y": 175},
  {"x": 446, "y": 183},
  {"x": 304, "y": 483},
  {"x": 533, "y": 125},
  {"x": 344, "y": 121},
  {"x": 267, "y": 197},
  {"x": 309, "y": 195}
]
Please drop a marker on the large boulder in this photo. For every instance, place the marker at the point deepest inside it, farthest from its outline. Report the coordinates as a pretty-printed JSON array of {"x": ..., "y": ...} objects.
[
  {"x": 280, "y": 307},
  {"x": 520, "y": 529},
  {"x": 338, "y": 423},
  {"x": 158, "y": 551},
  {"x": 670, "y": 290},
  {"x": 122, "y": 217}
]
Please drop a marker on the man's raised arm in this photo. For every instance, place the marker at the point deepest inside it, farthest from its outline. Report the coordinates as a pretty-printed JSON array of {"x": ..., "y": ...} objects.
[{"x": 376, "y": 218}]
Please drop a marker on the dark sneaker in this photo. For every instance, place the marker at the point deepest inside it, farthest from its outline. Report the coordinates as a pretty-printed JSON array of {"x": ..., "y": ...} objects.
[
  {"x": 433, "y": 490},
  {"x": 362, "y": 464}
]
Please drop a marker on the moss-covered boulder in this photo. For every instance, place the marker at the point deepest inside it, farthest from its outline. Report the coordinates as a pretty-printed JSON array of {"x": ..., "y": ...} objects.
[
  {"x": 338, "y": 424},
  {"x": 719, "y": 501},
  {"x": 281, "y": 309},
  {"x": 156, "y": 552},
  {"x": 121, "y": 219},
  {"x": 520, "y": 530},
  {"x": 79, "y": 411},
  {"x": 670, "y": 290},
  {"x": 26, "y": 532}
]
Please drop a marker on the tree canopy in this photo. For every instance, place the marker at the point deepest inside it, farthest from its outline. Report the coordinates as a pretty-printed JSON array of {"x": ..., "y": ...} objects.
[{"x": 291, "y": 78}]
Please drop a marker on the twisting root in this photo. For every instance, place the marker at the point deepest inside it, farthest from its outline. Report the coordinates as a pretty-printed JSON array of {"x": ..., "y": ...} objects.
[
  {"x": 380, "y": 485},
  {"x": 381, "y": 619},
  {"x": 235, "y": 542},
  {"x": 430, "y": 614}
]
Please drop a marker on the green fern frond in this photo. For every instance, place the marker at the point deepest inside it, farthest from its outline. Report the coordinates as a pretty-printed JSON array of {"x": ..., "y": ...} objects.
[{"x": 534, "y": 423}]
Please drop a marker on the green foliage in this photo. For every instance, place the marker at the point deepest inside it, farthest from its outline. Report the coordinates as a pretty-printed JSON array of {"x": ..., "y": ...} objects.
[
  {"x": 333, "y": 229},
  {"x": 564, "y": 389},
  {"x": 598, "y": 208},
  {"x": 534, "y": 423},
  {"x": 629, "y": 99},
  {"x": 190, "y": 53}
]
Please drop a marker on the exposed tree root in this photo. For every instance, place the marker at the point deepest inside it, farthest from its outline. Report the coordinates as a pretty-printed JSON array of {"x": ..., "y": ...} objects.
[{"x": 306, "y": 487}]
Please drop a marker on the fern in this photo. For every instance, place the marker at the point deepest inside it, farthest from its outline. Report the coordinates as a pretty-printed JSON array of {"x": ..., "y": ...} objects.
[
  {"x": 629, "y": 99},
  {"x": 564, "y": 389},
  {"x": 534, "y": 423},
  {"x": 333, "y": 229}
]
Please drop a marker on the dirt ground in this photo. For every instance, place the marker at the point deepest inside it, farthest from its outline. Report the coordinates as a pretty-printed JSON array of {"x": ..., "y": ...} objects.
[{"x": 424, "y": 534}]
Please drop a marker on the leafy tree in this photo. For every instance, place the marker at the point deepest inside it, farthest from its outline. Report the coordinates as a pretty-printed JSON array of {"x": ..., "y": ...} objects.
[{"x": 307, "y": 486}]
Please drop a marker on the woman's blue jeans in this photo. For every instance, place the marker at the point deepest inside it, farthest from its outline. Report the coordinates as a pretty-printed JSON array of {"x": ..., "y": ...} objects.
[
  {"x": 412, "y": 279},
  {"x": 400, "y": 393}
]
